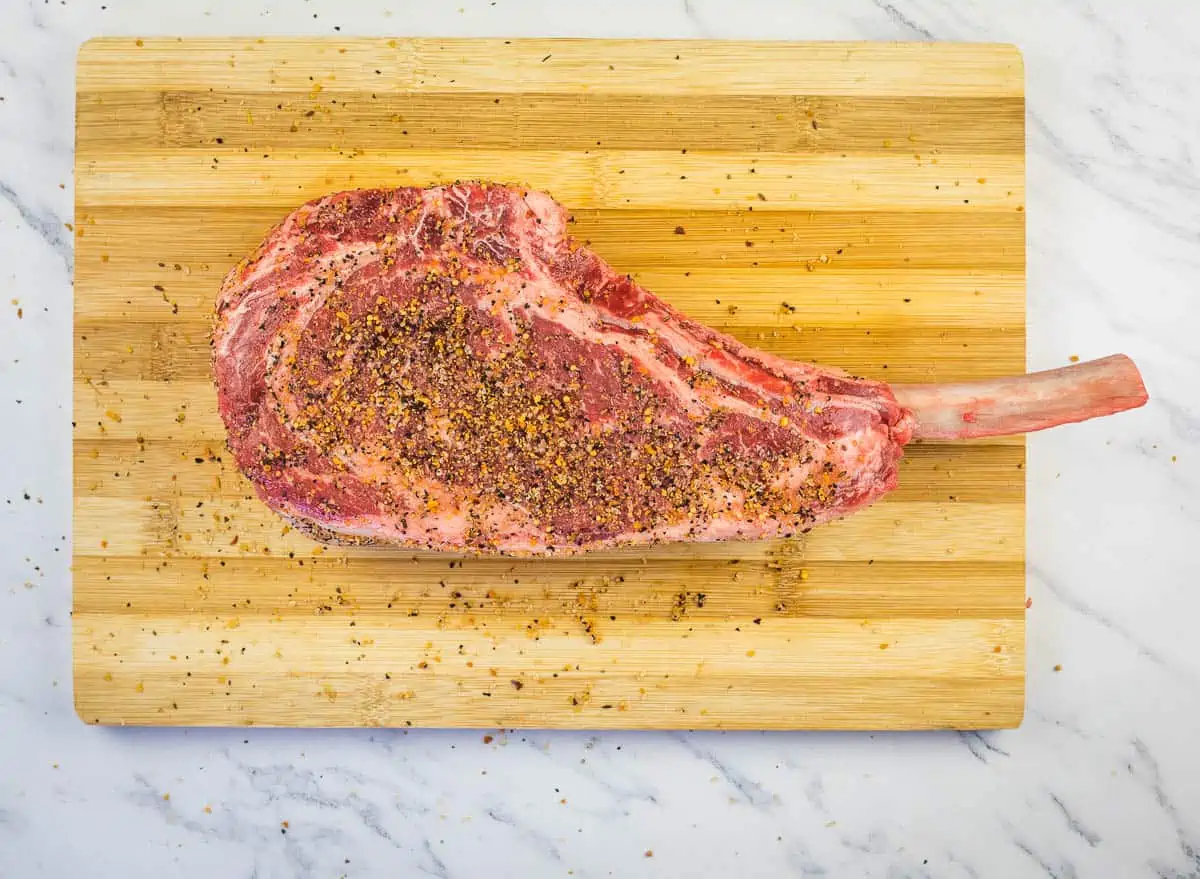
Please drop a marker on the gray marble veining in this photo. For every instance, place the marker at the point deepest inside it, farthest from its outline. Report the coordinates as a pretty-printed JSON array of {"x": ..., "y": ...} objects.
[{"x": 1103, "y": 779}]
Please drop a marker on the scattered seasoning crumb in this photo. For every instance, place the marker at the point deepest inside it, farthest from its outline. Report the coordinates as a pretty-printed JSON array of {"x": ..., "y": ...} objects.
[
  {"x": 883, "y": 646},
  {"x": 1074, "y": 358},
  {"x": 679, "y": 230},
  {"x": 649, "y": 853},
  {"x": 1028, "y": 603},
  {"x": 208, "y": 810},
  {"x": 487, "y": 740},
  {"x": 1058, "y": 668}
]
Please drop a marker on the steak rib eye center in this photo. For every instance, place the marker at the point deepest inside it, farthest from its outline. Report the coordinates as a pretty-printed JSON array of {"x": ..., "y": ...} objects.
[
  {"x": 408, "y": 379},
  {"x": 446, "y": 368}
]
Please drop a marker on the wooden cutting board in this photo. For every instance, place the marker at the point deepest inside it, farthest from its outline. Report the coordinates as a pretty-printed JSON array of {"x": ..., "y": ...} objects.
[{"x": 853, "y": 204}]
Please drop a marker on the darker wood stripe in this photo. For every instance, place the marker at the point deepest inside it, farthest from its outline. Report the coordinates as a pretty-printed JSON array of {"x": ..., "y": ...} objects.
[
  {"x": 507, "y": 594},
  {"x": 187, "y": 120}
]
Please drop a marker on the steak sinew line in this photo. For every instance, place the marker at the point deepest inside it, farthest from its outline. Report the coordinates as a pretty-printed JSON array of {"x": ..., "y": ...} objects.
[{"x": 445, "y": 368}]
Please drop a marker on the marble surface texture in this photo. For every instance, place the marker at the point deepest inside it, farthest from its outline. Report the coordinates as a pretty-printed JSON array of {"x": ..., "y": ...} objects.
[{"x": 1103, "y": 778}]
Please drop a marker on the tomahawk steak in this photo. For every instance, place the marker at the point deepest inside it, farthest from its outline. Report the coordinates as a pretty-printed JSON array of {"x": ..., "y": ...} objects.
[{"x": 445, "y": 368}]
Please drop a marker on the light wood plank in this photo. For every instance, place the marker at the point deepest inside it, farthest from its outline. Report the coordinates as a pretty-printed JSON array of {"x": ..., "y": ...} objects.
[
  {"x": 353, "y": 699},
  {"x": 571, "y": 66},
  {"x": 808, "y": 648},
  {"x": 613, "y": 179}
]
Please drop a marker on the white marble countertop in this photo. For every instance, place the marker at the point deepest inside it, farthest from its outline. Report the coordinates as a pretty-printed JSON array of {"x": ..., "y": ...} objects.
[{"x": 1103, "y": 778}]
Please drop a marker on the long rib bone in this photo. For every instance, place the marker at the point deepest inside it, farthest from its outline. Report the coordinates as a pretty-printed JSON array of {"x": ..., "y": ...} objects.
[{"x": 996, "y": 407}]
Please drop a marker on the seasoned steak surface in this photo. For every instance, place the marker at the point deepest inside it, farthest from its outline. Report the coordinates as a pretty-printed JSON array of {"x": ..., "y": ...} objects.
[{"x": 445, "y": 368}]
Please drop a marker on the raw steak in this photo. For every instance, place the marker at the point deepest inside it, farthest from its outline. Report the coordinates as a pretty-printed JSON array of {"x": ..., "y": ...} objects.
[{"x": 445, "y": 368}]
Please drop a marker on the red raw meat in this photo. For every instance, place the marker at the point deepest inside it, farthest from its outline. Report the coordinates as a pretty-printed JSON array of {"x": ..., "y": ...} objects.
[{"x": 445, "y": 368}]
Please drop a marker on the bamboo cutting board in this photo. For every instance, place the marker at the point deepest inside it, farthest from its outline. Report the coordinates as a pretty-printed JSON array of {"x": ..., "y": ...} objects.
[{"x": 854, "y": 204}]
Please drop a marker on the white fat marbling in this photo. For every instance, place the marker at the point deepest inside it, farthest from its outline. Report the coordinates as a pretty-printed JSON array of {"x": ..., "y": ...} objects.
[{"x": 1103, "y": 779}]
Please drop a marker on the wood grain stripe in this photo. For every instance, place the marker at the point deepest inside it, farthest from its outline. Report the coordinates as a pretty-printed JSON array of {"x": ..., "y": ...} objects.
[
  {"x": 382, "y": 120},
  {"x": 808, "y": 648},
  {"x": 512, "y": 592},
  {"x": 614, "y": 179},
  {"x": 352, "y": 698},
  {"x": 455, "y": 66}
]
